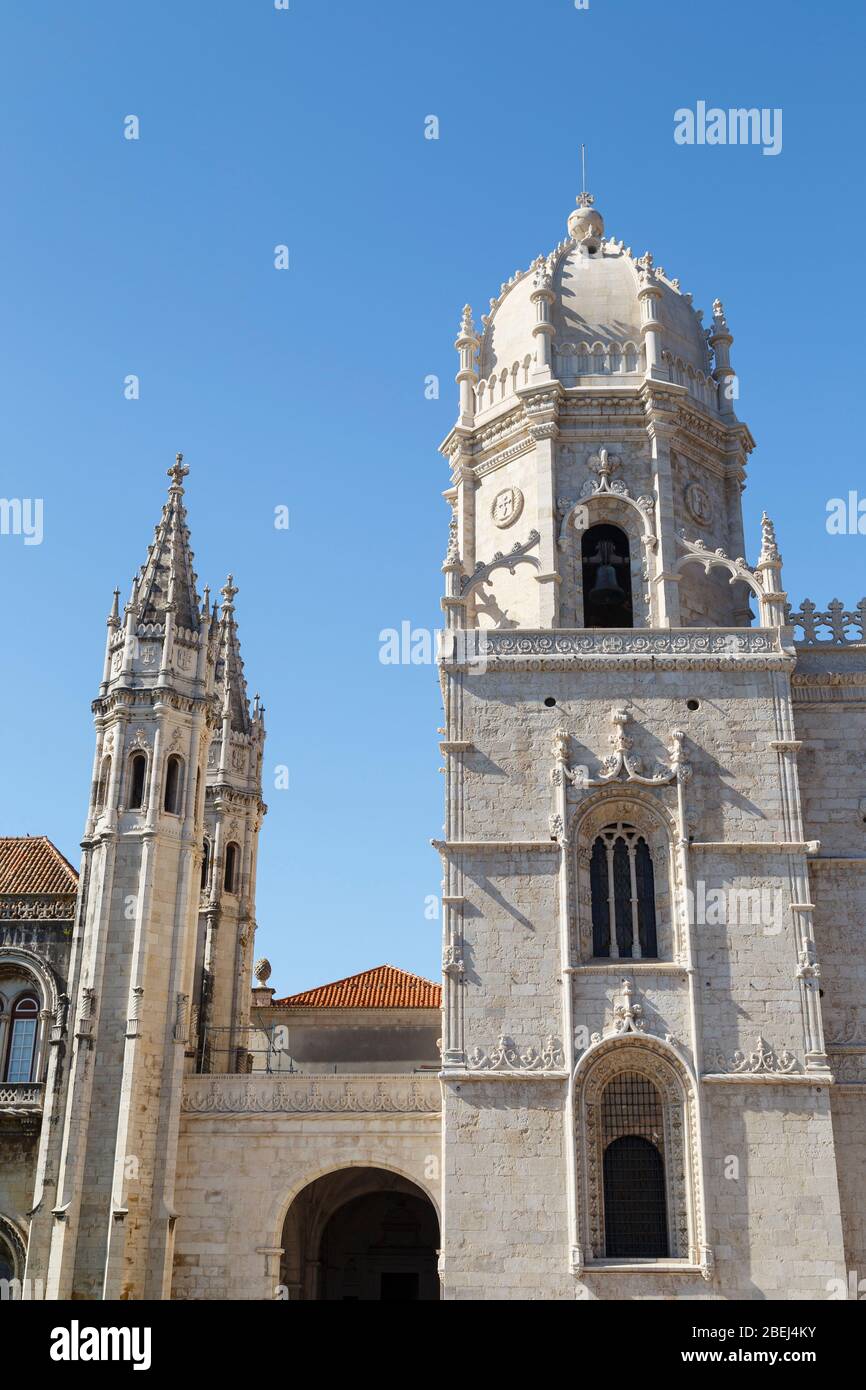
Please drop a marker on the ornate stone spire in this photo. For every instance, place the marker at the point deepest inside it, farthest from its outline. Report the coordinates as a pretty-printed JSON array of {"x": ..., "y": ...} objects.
[
  {"x": 230, "y": 667},
  {"x": 769, "y": 548},
  {"x": 167, "y": 579}
]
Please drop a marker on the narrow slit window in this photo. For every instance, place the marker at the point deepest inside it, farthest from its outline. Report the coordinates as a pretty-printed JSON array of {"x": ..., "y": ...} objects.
[
  {"x": 137, "y": 770},
  {"x": 102, "y": 783},
  {"x": 231, "y": 869},
  {"x": 173, "y": 784}
]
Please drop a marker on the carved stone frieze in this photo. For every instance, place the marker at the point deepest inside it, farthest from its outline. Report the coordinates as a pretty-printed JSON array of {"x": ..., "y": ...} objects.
[
  {"x": 292, "y": 1094},
  {"x": 760, "y": 1060},
  {"x": 506, "y": 1056}
]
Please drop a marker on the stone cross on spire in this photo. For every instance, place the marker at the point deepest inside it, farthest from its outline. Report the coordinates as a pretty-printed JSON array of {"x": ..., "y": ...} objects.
[
  {"x": 228, "y": 591},
  {"x": 177, "y": 472}
]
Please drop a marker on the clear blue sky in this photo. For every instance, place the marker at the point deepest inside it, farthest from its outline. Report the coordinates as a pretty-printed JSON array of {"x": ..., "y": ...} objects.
[{"x": 306, "y": 387}]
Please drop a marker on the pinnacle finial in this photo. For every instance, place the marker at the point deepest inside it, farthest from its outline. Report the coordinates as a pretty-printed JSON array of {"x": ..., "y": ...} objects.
[
  {"x": 585, "y": 225},
  {"x": 177, "y": 472},
  {"x": 228, "y": 592},
  {"x": 769, "y": 547}
]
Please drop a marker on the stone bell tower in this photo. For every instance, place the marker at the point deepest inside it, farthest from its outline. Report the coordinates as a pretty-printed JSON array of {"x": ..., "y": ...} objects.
[
  {"x": 233, "y": 813},
  {"x": 626, "y": 1072},
  {"x": 104, "y": 1216}
]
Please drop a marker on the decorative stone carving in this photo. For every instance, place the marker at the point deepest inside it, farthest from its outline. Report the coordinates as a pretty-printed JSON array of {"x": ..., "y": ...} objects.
[
  {"x": 452, "y": 961},
  {"x": 506, "y": 1056},
  {"x": 836, "y": 618},
  {"x": 515, "y": 556},
  {"x": 304, "y": 1095},
  {"x": 622, "y": 764},
  {"x": 180, "y": 1017},
  {"x": 677, "y": 1142},
  {"x": 698, "y": 504},
  {"x": 506, "y": 507},
  {"x": 762, "y": 1060}
]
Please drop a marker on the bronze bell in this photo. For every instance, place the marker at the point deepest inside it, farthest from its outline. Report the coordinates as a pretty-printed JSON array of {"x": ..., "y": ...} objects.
[{"x": 606, "y": 590}]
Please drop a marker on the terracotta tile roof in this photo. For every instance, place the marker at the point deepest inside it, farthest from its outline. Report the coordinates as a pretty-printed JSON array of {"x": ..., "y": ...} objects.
[
  {"x": 31, "y": 864},
  {"x": 383, "y": 987}
]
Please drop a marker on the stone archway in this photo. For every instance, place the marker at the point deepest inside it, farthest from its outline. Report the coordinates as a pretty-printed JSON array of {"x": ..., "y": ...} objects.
[{"x": 361, "y": 1235}]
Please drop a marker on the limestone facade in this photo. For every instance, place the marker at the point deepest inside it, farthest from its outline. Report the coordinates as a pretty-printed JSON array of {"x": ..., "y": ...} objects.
[{"x": 650, "y": 1077}]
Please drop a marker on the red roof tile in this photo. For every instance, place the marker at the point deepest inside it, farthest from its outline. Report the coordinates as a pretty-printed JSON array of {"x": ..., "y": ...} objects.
[
  {"x": 383, "y": 987},
  {"x": 31, "y": 864}
]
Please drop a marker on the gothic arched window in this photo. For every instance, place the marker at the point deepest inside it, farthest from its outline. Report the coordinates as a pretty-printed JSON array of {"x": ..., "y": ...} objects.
[
  {"x": 622, "y": 893},
  {"x": 173, "y": 784},
  {"x": 22, "y": 1039},
  {"x": 136, "y": 774},
  {"x": 231, "y": 869},
  {"x": 205, "y": 865},
  {"x": 637, "y": 1153},
  {"x": 635, "y": 1202},
  {"x": 606, "y": 572}
]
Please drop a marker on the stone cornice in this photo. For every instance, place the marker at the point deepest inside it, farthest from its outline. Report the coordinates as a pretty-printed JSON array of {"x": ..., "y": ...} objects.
[
  {"x": 494, "y": 846},
  {"x": 633, "y": 649}
]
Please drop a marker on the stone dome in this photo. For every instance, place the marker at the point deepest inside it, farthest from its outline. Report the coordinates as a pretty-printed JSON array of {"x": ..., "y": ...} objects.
[{"x": 596, "y": 318}]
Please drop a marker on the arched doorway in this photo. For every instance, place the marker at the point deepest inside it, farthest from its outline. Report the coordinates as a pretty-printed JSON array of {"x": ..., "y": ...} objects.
[
  {"x": 361, "y": 1235},
  {"x": 606, "y": 574}
]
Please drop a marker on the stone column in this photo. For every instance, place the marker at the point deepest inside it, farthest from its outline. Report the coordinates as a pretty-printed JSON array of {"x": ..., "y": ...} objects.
[{"x": 665, "y": 584}]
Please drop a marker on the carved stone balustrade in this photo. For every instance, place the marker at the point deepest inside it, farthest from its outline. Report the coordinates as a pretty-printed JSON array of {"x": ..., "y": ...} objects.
[{"x": 20, "y": 1097}]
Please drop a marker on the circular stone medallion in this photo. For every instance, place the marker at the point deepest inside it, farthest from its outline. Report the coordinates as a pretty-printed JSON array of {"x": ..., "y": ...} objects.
[
  {"x": 698, "y": 503},
  {"x": 507, "y": 506}
]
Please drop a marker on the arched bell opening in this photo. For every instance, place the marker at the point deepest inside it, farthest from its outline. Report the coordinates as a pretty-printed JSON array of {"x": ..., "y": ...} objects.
[{"x": 606, "y": 572}]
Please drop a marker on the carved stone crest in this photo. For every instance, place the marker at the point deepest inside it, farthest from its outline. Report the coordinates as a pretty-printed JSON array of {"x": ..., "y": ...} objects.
[
  {"x": 698, "y": 504},
  {"x": 506, "y": 507}
]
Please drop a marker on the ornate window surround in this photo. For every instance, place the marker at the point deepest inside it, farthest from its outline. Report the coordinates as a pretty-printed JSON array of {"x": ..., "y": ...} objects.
[
  {"x": 16, "y": 1243},
  {"x": 649, "y": 1057},
  {"x": 31, "y": 975},
  {"x": 136, "y": 750},
  {"x": 605, "y": 808},
  {"x": 612, "y": 509}
]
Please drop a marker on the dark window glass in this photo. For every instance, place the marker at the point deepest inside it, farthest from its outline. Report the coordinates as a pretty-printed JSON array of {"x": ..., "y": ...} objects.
[
  {"x": 646, "y": 899},
  {"x": 600, "y": 902},
  {"x": 171, "y": 802},
  {"x": 622, "y": 896},
  {"x": 635, "y": 1215},
  {"x": 231, "y": 869},
  {"x": 137, "y": 768}
]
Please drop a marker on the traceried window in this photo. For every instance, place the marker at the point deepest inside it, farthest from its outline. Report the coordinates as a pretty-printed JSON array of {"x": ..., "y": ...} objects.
[
  {"x": 635, "y": 1203},
  {"x": 622, "y": 893},
  {"x": 637, "y": 1151},
  {"x": 22, "y": 1039}
]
